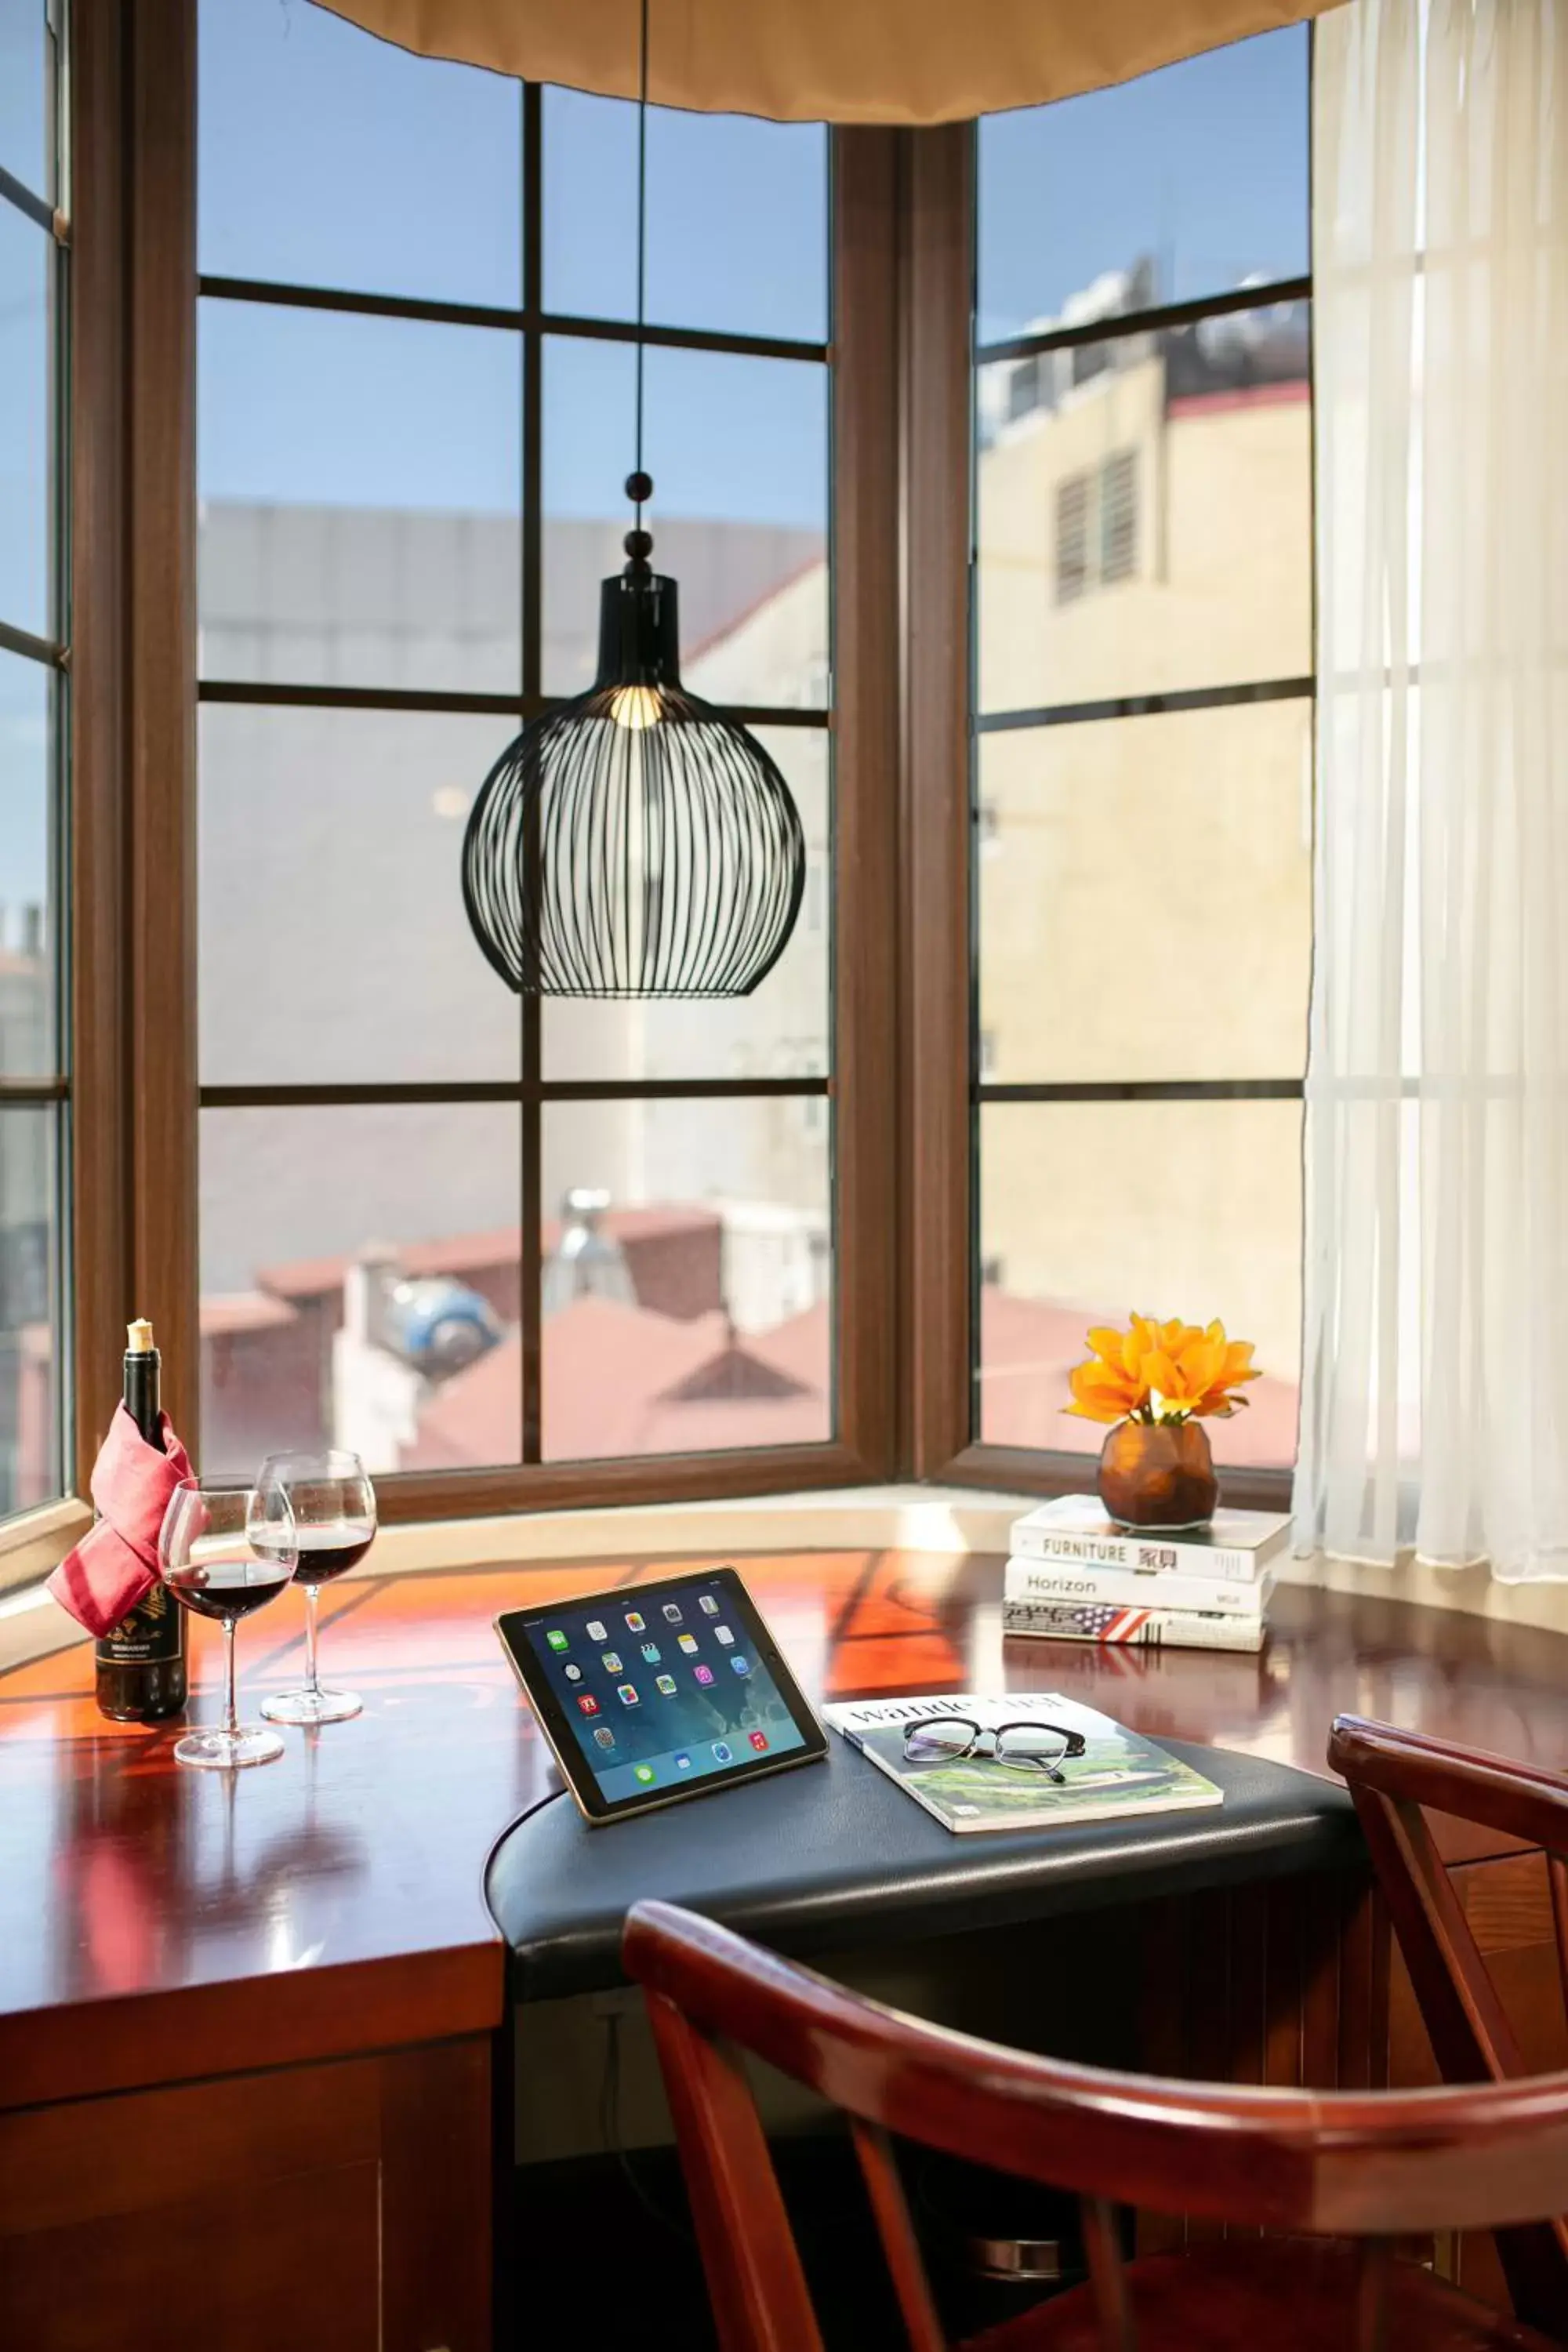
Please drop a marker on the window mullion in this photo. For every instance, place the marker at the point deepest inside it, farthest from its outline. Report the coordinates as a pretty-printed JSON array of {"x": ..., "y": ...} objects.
[{"x": 531, "y": 1114}]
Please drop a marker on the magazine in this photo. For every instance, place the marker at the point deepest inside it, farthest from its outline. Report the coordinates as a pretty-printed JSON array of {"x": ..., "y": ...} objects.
[{"x": 1118, "y": 1773}]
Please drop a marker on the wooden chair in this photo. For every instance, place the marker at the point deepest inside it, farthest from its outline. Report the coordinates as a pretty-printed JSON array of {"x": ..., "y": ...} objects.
[
  {"x": 1351, "y": 2171},
  {"x": 1392, "y": 1775}
]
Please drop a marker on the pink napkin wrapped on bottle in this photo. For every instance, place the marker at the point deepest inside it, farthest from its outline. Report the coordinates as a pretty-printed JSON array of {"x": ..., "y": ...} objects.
[{"x": 116, "y": 1563}]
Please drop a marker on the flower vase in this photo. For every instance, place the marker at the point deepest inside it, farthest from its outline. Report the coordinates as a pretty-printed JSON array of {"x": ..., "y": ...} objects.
[{"x": 1158, "y": 1473}]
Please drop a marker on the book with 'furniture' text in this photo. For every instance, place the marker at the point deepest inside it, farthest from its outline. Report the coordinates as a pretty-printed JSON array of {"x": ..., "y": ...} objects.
[{"x": 1074, "y": 1531}]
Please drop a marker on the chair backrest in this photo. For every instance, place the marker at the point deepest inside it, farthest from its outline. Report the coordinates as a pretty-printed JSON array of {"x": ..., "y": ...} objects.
[
  {"x": 1393, "y": 1775},
  {"x": 1371, "y": 2166}
]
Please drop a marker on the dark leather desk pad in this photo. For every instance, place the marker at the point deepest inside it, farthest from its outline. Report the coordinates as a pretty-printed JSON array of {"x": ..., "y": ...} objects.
[{"x": 833, "y": 1856}]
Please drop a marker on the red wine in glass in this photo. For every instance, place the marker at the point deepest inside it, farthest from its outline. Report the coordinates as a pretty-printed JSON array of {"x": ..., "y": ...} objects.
[
  {"x": 334, "y": 1507},
  {"x": 228, "y": 1589},
  {"x": 330, "y": 1551},
  {"x": 225, "y": 1551}
]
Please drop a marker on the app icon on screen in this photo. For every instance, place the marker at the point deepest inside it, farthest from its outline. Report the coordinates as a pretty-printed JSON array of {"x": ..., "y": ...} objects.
[
  {"x": 635, "y": 1624},
  {"x": 645, "y": 1774},
  {"x": 708, "y": 1605},
  {"x": 603, "y": 1735},
  {"x": 683, "y": 1763},
  {"x": 671, "y": 1613},
  {"x": 627, "y": 1694},
  {"x": 651, "y": 1652},
  {"x": 557, "y": 1639},
  {"x": 741, "y": 1665},
  {"x": 722, "y": 1752},
  {"x": 703, "y": 1673},
  {"x": 665, "y": 1685},
  {"x": 722, "y": 1633},
  {"x": 612, "y": 1662},
  {"x": 687, "y": 1642},
  {"x": 596, "y": 1630},
  {"x": 588, "y": 1703},
  {"x": 759, "y": 1740}
]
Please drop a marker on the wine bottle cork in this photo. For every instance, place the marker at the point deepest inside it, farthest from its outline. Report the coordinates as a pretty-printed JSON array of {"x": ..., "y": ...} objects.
[{"x": 139, "y": 1338}]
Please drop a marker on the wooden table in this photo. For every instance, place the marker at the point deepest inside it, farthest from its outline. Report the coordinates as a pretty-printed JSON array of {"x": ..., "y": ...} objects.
[{"x": 246, "y": 2023}]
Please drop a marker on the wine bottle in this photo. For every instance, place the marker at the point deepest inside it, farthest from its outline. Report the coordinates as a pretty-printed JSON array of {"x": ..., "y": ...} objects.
[{"x": 140, "y": 1661}]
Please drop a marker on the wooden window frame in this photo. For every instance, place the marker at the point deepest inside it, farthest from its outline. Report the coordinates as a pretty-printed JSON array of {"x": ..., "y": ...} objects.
[
  {"x": 943, "y": 1092},
  {"x": 902, "y": 536},
  {"x": 135, "y": 883},
  {"x": 43, "y": 652}
]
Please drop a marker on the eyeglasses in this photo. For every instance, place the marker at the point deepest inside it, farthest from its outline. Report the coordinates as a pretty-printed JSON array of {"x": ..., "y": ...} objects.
[{"x": 1022, "y": 1746}]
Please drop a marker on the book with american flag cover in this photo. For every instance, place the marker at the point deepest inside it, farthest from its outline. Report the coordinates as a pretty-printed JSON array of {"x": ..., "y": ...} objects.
[
  {"x": 1073, "y": 1582},
  {"x": 1112, "y": 1771},
  {"x": 1074, "y": 1531},
  {"x": 1149, "y": 1629}
]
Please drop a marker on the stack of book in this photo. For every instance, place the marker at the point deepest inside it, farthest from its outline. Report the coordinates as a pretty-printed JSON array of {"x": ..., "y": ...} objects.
[{"x": 1076, "y": 1576}]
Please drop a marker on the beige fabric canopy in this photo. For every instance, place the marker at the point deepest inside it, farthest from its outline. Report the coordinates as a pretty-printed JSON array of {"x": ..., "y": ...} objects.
[{"x": 825, "y": 60}]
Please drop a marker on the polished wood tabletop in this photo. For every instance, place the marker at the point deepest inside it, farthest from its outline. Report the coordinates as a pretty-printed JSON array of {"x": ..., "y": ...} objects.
[{"x": 337, "y": 1895}]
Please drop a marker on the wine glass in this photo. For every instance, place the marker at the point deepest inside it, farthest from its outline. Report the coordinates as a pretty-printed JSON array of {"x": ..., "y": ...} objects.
[
  {"x": 333, "y": 1504},
  {"x": 225, "y": 1550}
]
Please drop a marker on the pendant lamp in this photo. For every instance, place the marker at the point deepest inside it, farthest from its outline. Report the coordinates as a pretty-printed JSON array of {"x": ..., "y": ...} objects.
[{"x": 634, "y": 842}]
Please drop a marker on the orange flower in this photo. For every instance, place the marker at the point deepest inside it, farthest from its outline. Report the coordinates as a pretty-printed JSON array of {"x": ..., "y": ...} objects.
[{"x": 1161, "y": 1371}]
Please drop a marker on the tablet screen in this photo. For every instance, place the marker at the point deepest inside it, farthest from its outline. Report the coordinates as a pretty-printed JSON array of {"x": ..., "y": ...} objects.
[{"x": 661, "y": 1688}]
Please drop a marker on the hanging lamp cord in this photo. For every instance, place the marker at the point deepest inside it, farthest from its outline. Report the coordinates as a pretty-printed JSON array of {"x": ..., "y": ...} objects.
[{"x": 642, "y": 233}]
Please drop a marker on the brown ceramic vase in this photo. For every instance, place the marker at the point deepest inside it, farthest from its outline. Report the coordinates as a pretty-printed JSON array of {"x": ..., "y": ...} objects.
[{"x": 1157, "y": 1475}]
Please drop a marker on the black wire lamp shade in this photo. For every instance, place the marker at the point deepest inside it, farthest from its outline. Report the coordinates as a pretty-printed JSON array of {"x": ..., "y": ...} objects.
[{"x": 634, "y": 842}]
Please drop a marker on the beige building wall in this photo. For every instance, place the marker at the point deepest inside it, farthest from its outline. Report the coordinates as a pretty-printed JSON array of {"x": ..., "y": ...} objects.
[
  {"x": 1222, "y": 585},
  {"x": 1143, "y": 884}
]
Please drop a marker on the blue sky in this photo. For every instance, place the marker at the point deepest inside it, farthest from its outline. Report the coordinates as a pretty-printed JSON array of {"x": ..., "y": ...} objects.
[{"x": 332, "y": 159}]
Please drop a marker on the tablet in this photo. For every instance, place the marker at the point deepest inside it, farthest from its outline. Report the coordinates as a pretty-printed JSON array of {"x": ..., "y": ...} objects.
[{"x": 657, "y": 1692}]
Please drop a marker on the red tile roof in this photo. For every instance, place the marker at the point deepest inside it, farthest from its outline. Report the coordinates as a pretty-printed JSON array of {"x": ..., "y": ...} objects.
[
  {"x": 468, "y": 1254},
  {"x": 620, "y": 1379},
  {"x": 227, "y": 1312}
]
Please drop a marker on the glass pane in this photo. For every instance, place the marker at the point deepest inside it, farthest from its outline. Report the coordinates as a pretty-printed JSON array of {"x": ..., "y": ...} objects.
[
  {"x": 334, "y": 947},
  {"x": 329, "y": 157},
  {"x": 738, "y": 450},
  {"x": 26, "y": 895},
  {"x": 26, "y": 99},
  {"x": 1186, "y": 182},
  {"x": 1144, "y": 890},
  {"x": 687, "y": 1279},
  {"x": 360, "y": 484},
  {"x": 30, "y": 1445},
  {"x": 737, "y": 218},
  {"x": 1145, "y": 513},
  {"x": 357, "y": 1266},
  {"x": 780, "y": 1031},
  {"x": 26, "y": 374},
  {"x": 1089, "y": 1211}
]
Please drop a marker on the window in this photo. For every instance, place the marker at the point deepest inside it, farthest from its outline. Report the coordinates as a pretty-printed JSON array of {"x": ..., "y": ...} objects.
[
  {"x": 1097, "y": 526},
  {"x": 34, "y": 630},
  {"x": 1117, "y": 487},
  {"x": 1072, "y": 538},
  {"x": 456, "y": 1231},
  {"x": 1142, "y": 759}
]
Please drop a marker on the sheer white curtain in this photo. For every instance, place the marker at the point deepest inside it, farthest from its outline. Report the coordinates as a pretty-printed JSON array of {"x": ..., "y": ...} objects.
[{"x": 1435, "y": 1388}]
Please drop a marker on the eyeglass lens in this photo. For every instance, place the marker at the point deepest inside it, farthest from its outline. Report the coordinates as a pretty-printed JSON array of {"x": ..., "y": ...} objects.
[
  {"x": 1015, "y": 1743},
  {"x": 941, "y": 1735}
]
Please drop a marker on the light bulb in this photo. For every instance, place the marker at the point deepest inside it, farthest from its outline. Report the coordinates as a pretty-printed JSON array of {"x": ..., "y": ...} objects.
[{"x": 636, "y": 707}]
